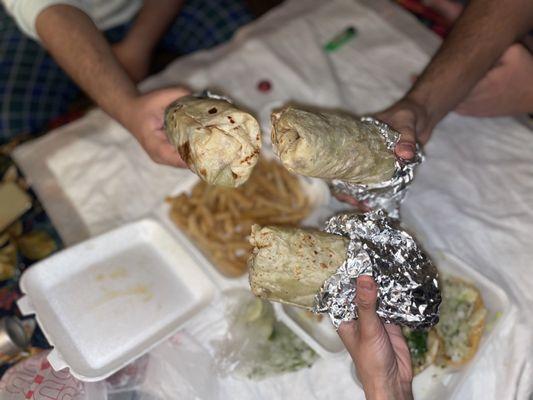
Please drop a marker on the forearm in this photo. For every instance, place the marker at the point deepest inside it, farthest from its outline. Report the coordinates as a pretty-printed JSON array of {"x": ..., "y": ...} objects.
[
  {"x": 385, "y": 389},
  {"x": 152, "y": 22},
  {"x": 480, "y": 36},
  {"x": 389, "y": 391},
  {"x": 82, "y": 51}
]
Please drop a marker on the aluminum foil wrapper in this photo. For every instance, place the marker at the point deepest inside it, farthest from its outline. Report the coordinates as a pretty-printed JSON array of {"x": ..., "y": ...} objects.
[
  {"x": 408, "y": 288},
  {"x": 385, "y": 195},
  {"x": 206, "y": 93}
]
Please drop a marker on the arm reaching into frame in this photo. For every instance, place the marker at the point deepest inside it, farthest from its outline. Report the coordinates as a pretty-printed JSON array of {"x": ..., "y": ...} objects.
[
  {"x": 81, "y": 50},
  {"x": 135, "y": 51},
  {"x": 378, "y": 350},
  {"x": 479, "y": 38}
]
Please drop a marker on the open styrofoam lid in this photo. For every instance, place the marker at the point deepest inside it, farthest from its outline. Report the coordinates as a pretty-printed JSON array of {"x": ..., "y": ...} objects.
[{"x": 107, "y": 301}]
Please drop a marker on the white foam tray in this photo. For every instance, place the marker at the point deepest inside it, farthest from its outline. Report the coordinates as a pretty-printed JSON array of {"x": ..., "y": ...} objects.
[
  {"x": 320, "y": 337},
  {"x": 107, "y": 301}
]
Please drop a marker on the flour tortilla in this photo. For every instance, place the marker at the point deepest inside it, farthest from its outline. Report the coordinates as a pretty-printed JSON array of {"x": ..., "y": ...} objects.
[
  {"x": 462, "y": 321},
  {"x": 219, "y": 142},
  {"x": 290, "y": 265},
  {"x": 331, "y": 146}
]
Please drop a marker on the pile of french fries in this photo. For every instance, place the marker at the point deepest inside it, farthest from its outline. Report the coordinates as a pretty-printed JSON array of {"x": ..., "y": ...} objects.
[{"x": 219, "y": 219}]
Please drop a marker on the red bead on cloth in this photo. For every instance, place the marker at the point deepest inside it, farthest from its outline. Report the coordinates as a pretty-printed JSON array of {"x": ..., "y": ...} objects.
[{"x": 264, "y": 86}]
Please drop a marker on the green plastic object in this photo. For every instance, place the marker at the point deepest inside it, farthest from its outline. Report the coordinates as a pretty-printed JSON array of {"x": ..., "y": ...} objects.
[{"x": 340, "y": 39}]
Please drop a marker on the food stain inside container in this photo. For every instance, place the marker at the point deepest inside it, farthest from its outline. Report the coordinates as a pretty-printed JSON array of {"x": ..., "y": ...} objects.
[
  {"x": 110, "y": 277},
  {"x": 116, "y": 273},
  {"x": 140, "y": 290}
]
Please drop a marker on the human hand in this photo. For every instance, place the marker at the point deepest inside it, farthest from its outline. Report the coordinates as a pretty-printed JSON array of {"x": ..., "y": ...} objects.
[
  {"x": 134, "y": 58},
  {"x": 379, "y": 351},
  {"x": 505, "y": 90},
  {"x": 357, "y": 204},
  {"x": 411, "y": 121},
  {"x": 144, "y": 118}
]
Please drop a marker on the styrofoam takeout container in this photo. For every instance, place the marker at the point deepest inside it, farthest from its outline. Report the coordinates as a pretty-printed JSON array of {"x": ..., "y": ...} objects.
[
  {"x": 321, "y": 337},
  {"x": 107, "y": 301},
  {"x": 436, "y": 383}
]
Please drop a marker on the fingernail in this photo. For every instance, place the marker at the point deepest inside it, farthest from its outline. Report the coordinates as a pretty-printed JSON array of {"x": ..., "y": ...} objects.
[{"x": 406, "y": 146}]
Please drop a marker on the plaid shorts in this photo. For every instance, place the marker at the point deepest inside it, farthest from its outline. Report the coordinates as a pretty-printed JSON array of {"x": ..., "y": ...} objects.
[{"x": 34, "y": 89}]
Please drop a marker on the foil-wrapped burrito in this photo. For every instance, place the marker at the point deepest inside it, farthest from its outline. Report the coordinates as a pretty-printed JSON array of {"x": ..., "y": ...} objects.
[
  {"x": 318, "y": 270},
  {"x": 387, "y": 194},
  {"x": 218, "y": 141},
  {"x": 331, "y": 146}
]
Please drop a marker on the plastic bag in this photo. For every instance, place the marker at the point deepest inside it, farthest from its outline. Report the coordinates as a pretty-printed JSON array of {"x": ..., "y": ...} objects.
[
  {"x": 179, "y": 368},
  {"x": 35, "y": 379},
  {"x": 256, "y": 345},
  {"x": 128, "y": 378}
]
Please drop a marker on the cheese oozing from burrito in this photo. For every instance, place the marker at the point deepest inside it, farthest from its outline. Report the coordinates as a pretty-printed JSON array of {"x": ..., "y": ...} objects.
[
  {"x": 290, "y": 265},
  {"x": 219, "y": 142},
  {"x": 331, "y": 146}
]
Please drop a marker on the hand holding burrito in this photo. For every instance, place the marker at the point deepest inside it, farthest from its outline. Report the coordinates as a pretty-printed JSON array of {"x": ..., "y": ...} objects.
[
  {"x": 331, "y": 146},
  {"x": 379, "y": 351},
  {"x": 219, "y": 142},
  {"x": 319, "y": 269}
]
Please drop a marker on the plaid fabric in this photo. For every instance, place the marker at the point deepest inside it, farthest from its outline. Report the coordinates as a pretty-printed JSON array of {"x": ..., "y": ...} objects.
[
  {"x": 34, "y": 89},
  {"x": 202, "y": 24}
]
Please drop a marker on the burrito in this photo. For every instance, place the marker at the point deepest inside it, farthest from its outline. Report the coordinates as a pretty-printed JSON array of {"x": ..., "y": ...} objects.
[
  {"x": 331, "y": 146},
  {"x": 318, "y": 270},
  {"x": 290, "y": 265},
  {"x": 219, "y": 142}
]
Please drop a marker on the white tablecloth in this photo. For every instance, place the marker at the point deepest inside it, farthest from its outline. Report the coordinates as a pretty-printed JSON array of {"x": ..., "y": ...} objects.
[{"x": 473, "y": 196}]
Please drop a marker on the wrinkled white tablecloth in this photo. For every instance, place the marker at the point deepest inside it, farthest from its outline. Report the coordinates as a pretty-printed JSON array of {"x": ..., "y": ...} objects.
[{"x": 473, "y": 197}]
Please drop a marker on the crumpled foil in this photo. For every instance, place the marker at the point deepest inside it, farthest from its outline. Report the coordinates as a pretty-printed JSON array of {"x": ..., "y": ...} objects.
[
  {"x": 385, "y": 195},
  {"x": 206, "y": 93},
  {"x": 408, "y": 288}
]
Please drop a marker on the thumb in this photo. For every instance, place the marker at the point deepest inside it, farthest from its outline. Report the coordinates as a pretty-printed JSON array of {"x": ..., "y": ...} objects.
[
  {"x": 406, "y": 146},
  {"x": 404, "y": 121},
  {"x": 366, "y": 297}
]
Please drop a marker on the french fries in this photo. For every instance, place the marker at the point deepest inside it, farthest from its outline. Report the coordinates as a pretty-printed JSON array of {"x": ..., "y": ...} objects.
[{"x": 219, "y": 219}]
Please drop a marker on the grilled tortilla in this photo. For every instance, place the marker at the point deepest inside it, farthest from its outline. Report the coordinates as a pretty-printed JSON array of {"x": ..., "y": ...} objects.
[
  {"x": 290, "y": 265},
  {"x": 219, "y": 142},
  {"x": 331, "y": 146}
]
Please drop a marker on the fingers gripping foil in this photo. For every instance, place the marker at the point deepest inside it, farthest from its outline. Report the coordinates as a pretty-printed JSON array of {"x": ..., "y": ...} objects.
[
  {"x": 389, "y": 194},
  {"x": 408, "y": 288}
]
